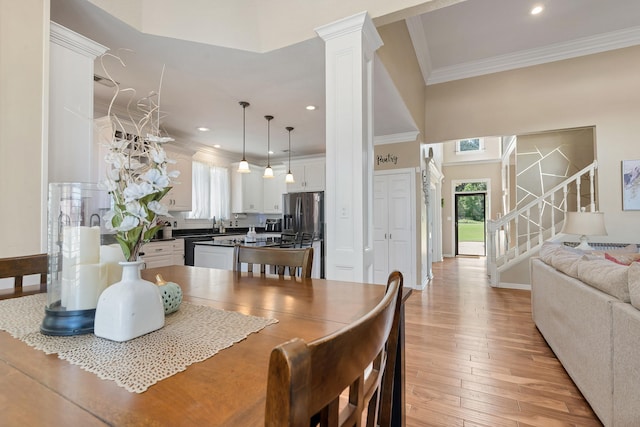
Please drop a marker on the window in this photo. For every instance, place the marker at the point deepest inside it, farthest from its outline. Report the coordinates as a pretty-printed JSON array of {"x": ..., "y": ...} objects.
[
  {"x": 210, "y": 191},
  {"x": 471, "y": 145},
  {"x": 471, "y": 187}
]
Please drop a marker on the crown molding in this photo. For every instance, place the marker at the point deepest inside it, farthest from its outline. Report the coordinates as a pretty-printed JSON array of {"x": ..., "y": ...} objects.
[
  {"x": 420, "y": 46},
  {"x": 396, "y": 138},
  {"x": 64, "y": 37},
  {"x": 556, "y": 52},
  {"x": 358, "y": 22}
]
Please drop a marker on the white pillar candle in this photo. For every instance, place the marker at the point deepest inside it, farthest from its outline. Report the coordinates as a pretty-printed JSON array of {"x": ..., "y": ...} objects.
[
  {"x": 89, "y": 245},
  {"x": 84, "y": 292},
  {"x": 111, "y": 256},
  {"x": 82, "y": 243}
]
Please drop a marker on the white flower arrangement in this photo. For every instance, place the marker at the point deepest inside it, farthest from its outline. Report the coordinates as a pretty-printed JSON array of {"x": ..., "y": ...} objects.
[{"x": 137, "y": 177}]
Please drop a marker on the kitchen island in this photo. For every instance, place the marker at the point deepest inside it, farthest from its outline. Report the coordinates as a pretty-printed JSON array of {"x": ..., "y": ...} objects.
[{"x": 218, "y": 253}]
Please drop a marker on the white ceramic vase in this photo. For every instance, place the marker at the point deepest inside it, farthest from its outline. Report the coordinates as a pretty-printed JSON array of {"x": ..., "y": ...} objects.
[{"x": 129, "y": 308}]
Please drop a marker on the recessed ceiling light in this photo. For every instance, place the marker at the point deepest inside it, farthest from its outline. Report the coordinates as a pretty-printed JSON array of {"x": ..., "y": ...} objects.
[
  {"x": 536, "y": 10},
  {"x": 270, "y": 151},
  {"x": 203, "y": 129},
  {"x": 216, "y": 146},
  {"x": 310, "y": 107}
]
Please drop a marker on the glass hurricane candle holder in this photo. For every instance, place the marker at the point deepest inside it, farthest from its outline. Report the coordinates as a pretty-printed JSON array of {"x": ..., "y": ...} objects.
[{"x": 79, "y": 266}]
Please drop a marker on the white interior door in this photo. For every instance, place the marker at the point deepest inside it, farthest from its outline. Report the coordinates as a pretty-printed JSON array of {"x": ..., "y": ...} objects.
[
  {"x": 399, "y": 226},
  {"x": 393, "y": 213},
  {"x": 380, "y": 224}
]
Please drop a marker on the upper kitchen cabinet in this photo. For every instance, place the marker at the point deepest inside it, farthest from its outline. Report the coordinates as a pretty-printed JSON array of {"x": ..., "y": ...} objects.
[
  {"x": 246, "y": 190},
  {"x": 179, "y": 197},
  {"x": 273, "y": 189},
  {"x": 309, "y": 175}
]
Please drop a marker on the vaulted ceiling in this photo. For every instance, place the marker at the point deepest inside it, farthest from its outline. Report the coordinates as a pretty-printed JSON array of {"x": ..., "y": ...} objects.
[{"x": 203, "y": 83}]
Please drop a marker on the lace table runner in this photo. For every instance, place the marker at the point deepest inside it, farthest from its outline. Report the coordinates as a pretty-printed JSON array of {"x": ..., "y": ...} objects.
[{"x": 192, "y": 334}]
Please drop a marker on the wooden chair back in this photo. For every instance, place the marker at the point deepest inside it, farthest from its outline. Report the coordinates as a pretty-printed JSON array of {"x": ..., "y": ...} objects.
[
  {"x": 296, "y": 261},
  {"x": 19, "y": 267},
  {"x": 318, "y": 379}
]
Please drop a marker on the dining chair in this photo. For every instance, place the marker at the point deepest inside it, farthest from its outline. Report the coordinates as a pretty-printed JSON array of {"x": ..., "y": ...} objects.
[
  {"x": 306, "y": 240},
  {"x": 19, "y": 267},
  {"x": 288, "y": 240},
  {"x": 336, "y": 379},
  {"x": 297, "y": 261}
]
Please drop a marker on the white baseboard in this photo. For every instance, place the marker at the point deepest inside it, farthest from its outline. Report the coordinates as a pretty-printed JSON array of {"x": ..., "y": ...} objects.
[{"x": 522, "y": 286}]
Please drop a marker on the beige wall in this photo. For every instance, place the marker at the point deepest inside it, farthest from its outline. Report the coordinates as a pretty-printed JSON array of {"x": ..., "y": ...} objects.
[
  {"x": 24, "y": 44},
  {"x": 600, "y": 90},
  {"x": 470, "y": 173},
  {"x": 396, "y": 156},
  {"x": 492, "y": 151},
  {"x": 400, "y": 61}
]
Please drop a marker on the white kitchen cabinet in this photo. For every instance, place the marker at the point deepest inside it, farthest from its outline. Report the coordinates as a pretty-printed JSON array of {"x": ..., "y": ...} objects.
[
  {"x": 273, "y": 189},
  {"x": 246, "y": 190},
  {"x": 157, "y": 254},
  {"x": 178, "y": 252},
  {"x": 316, "y": 268},
  {"x": 309, "y": 175},
  {"x": 179, "y": 197},
  {"x": 393, "y": 218},
  {"x": 213, "y": 257},
  {"x": 163, "y": 253}
]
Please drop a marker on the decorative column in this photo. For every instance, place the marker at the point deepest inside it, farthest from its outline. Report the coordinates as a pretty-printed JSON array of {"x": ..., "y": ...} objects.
[
  {"x": 350, "y": 45},
  {"x": 72, "y": 154}
]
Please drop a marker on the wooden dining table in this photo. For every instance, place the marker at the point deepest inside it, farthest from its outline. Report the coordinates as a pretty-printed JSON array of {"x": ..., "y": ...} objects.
[{"x": 227, "y": 389}]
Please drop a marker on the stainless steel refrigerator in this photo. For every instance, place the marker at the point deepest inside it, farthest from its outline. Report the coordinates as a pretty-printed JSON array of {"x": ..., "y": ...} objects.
[{"x": 304, "y": 213}]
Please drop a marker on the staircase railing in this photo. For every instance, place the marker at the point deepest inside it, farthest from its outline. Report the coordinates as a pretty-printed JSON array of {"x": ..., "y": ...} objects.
[{"x": 514, "y": 236}]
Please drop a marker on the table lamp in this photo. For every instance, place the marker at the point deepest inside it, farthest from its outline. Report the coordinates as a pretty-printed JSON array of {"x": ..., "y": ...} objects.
[{"x": 584, "y": 224}]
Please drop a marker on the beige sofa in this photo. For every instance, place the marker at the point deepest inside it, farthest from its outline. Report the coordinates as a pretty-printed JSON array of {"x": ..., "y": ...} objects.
[{"x": 586, "y": 307}]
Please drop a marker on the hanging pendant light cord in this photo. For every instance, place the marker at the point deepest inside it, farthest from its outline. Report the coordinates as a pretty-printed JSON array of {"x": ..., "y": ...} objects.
[
  {"x": 289, "y": 128},
  {"x": 269, "y": 118},
  {"x": 244, "y": 110}
]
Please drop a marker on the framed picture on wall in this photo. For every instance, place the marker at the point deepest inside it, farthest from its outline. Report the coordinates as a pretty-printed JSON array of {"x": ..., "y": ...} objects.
[{"x": 631, "y": 185}]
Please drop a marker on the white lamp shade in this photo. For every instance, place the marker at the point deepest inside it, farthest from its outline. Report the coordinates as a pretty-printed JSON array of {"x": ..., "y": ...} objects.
[
  {"x": 289, "y": 178},
  {"x": 243, "y": 167},
  {"x": 584, "y": 224},
  {"x": 268, "y": 172}
]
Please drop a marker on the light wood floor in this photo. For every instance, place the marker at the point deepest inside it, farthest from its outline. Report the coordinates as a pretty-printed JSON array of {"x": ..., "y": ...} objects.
[{"x": 475, "y": 358}]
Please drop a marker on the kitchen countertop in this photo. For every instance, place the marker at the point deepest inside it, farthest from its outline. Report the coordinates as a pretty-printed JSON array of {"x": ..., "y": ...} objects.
[{"x": 232, "y": 242}]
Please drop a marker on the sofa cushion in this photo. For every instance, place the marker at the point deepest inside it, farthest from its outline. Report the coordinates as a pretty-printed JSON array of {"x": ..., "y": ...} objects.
[
  {"x": 634, "y": 284},
  {"x": 547, "y": 250},
  {"x": 566, "y": 261},
  {"x": 622, "y": 258},
  {"x": 606, "y": 276}
]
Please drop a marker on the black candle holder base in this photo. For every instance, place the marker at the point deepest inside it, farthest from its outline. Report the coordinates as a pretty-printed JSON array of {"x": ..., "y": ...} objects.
[{"x": 60, "y": 322}]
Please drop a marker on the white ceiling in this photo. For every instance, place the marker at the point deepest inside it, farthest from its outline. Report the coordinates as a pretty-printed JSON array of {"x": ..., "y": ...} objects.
[{"x": 203, "y": 84}]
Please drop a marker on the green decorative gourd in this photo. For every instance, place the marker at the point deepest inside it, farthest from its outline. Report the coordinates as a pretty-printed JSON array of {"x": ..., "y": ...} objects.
[{"x": 171, "y": 294}]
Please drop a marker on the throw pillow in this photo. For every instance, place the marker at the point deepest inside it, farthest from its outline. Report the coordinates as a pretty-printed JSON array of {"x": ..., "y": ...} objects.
[
  {"x": 629, "y": 249},
  {"x": 622, "y": 259},
  {"x": 634, "y": 284},
  {"x": 606, "y": 276}
]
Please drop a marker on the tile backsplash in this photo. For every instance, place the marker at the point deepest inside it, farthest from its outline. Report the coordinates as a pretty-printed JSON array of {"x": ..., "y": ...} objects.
[{"x": 242, "y": 221}]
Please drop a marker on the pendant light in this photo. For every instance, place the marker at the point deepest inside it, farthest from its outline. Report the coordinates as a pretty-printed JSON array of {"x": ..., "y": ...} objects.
[
  {"x": 268, "y": 172},
  {"x": 289, "y": 178},
  {"x": 243, "y": 167}
]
